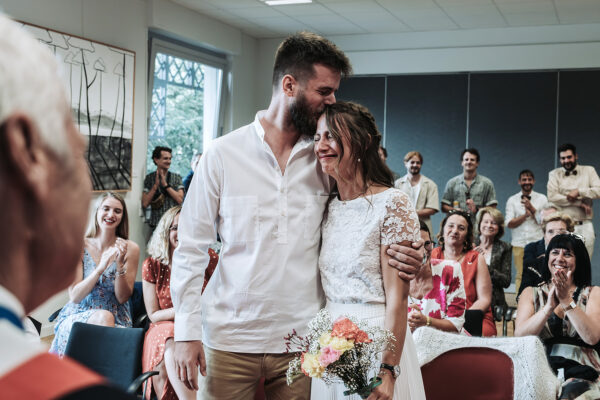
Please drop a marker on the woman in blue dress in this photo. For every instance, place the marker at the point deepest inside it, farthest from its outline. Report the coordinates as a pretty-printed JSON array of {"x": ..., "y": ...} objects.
[{"x": 104, "y": 281}]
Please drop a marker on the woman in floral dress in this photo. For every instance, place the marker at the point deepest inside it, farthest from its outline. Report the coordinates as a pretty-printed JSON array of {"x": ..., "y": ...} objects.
[{"x": 437, "y": 294}]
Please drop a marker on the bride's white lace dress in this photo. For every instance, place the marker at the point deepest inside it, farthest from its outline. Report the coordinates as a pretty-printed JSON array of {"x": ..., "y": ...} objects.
[{"x": 353, "y": 232}]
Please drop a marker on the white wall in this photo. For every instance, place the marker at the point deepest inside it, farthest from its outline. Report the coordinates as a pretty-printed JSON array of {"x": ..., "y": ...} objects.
[
  {"x": 502, "y": 49},
  {"x": 125, "y": 23}
]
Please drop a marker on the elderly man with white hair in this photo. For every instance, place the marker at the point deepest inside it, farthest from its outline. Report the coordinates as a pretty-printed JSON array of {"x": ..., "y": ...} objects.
[{"x": 45, "y": 194}]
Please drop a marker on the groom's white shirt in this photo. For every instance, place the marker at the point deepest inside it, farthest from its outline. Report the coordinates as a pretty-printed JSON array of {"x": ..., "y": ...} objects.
[{"x": 267, "y": 281}]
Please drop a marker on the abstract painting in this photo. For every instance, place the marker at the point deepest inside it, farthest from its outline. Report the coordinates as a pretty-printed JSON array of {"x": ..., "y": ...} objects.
[{"x": 100, "y": 83}]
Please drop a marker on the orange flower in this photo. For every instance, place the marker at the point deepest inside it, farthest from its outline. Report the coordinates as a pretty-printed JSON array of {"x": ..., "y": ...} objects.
[{"x": 343, "y": 327}]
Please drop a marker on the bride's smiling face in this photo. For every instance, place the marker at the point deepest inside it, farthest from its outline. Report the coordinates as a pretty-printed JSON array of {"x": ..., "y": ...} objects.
[{"x": 332, "y": 157}]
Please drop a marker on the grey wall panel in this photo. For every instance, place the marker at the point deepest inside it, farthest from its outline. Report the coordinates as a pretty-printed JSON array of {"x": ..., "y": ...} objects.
[
  {"x": 512, "y": 123},
  {"x": 579, "y": 123},
  {"x": 427, "y": 113},
  {"x": 368, "y": 91}
]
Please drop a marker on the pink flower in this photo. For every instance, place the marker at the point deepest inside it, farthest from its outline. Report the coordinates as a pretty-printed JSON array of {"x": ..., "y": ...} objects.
[{"x": 328, "y": 356}]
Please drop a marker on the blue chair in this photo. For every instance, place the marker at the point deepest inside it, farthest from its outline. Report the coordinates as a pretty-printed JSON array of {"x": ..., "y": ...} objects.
[{"x": 115, "y": 353}]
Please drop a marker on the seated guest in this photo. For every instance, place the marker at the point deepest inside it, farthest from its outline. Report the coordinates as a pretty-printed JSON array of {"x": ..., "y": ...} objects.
[
  {"x": 156, "y": 274},
  {"x": 497, "y": 253},
  {"x": 564, "y": 311},
  {"x": 105, "y": 276},
  {"x": 533, "y": 259},
  {"x": 437, "y": 294},
  {"x": 158, "y": 344},
  {"x": 456, "y": 240}
]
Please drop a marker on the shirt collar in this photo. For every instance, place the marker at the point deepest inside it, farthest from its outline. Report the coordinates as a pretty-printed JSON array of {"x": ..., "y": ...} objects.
[
  {"x": 462, "y": 177},
  {"x": 8, "y": 300},
  {"x": 303, "y": 142}
]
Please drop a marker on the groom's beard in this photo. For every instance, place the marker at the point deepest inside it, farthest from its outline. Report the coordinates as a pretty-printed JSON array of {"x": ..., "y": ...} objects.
[{"x": 302, "y": 117}]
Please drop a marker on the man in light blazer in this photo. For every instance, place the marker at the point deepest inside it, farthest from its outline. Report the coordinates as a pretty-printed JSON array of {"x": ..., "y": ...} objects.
[{"x": 423, "y": 192}]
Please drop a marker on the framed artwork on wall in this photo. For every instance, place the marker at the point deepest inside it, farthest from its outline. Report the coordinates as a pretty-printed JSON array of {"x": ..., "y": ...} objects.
[{"x": 100, "y": 83}]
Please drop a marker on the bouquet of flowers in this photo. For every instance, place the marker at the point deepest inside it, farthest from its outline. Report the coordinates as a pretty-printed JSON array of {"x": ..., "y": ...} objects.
[{"x": 339, "y": 351}]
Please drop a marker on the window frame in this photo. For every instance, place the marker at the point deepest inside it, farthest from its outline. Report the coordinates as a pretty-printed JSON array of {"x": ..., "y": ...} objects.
[{"x": 158, "y": 43}]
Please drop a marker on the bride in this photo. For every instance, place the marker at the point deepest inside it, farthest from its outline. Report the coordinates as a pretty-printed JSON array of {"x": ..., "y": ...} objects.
[{"x": 360, "y": 223}]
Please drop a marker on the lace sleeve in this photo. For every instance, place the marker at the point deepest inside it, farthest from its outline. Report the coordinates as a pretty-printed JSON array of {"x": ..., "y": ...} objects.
[{"x": 400, "y": 222}]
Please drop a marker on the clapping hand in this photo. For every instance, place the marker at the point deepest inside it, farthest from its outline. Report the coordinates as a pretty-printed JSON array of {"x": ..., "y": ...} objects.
[
  {"x": 573, "y": 195},
  {"x": 107, "y": 259},
  {"x": 415, "y": 317},
  {"x": 471, "y": 206},
  {"x": 163, "y": 177},
  {"x": 529, "y": 209},
  {"x": 561, "y": 280},
  {"x": 121, "y": 246}
]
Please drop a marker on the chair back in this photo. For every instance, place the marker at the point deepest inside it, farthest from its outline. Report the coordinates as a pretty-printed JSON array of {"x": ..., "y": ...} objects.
[
  {"x": 115, "y": 353},
  {"x": 471, "y": 373}
]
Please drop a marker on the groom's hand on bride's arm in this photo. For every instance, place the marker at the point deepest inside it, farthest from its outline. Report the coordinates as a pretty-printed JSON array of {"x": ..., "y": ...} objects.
[
  {"x": 407, "y": 258},
  {"x": 188, "y": 356}
]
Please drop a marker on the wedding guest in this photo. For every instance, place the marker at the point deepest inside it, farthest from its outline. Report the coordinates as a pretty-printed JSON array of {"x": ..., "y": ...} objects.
[
  {"x": 105, "y": 275},
  {"x": 456, "y": 244},
  {"x": 163, "y": 189},
  {"x": 158, "y": 343},
  {"x": 437, "y": 294},
  {"x": 565, "y": 312},
  {"x": 497, "y": 253},
  {"x": 534, "y": 259}
]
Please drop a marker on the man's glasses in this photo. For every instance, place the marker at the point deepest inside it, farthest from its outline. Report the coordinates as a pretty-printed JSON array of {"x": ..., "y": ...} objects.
[{"x": 429, "y": 244}]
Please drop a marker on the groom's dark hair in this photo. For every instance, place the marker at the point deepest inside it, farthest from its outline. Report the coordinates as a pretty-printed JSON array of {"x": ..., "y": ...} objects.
[{"x": 298, "y": 54}]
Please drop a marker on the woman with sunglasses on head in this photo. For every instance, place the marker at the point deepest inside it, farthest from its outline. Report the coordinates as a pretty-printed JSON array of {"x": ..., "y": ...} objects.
[
  {"x": 497, "y": 253},
  {"x": 437, "y": 294},
  {"x": 456, "y": 244},
  {"x": 564, "y": 312}
]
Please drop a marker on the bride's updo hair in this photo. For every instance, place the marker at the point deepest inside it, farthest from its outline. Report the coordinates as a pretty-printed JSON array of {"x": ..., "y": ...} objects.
[{"x": 357, "y": 125}]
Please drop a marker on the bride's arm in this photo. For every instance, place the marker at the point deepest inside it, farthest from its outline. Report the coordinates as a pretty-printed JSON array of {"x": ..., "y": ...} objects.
[{"x": 396, "y": 308}]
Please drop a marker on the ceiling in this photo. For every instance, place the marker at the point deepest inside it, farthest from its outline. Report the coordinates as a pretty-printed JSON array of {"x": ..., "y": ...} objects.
[{"x": 349, "y": 17}]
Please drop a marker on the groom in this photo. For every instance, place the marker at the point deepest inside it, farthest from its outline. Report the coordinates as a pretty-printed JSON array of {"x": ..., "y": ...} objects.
[{"x": 260, "y": 188}]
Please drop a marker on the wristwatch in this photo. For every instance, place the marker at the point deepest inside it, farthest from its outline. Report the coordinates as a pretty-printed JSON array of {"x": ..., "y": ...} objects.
[
  {"x": 394, "y": 369},
  {"x": 571, "y": 306}
]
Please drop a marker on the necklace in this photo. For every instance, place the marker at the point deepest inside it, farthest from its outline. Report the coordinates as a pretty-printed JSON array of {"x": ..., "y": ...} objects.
[
  {"x": 453, "y": 258},
  {"x": 353, "y": 196}
]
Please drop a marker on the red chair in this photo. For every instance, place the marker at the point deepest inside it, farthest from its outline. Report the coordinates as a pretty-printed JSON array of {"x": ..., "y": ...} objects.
[{"x": 470, "y": 373}]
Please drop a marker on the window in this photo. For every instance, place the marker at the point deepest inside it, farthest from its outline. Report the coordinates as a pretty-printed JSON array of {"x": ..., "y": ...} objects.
[{"x": 185, "y": 108}]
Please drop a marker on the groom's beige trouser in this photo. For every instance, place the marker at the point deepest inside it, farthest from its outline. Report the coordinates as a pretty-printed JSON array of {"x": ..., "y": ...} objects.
[{"x": 235, "y": 376}]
